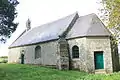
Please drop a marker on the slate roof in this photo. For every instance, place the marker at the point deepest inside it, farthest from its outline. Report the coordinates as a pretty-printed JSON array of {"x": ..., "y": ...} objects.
[
  {"x": 46, "y": 32},
  {"x": 88, "y": 25}
]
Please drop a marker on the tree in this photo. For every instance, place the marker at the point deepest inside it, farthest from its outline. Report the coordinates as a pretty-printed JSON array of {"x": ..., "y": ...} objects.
[
  {"x": 111, "y": 9},
  {"x": 7, "y": 15}
]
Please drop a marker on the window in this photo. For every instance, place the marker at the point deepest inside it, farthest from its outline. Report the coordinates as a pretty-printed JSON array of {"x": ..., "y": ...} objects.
[
  {"x": 37, "y": 52},
  {"x": 75, "y": 51}
]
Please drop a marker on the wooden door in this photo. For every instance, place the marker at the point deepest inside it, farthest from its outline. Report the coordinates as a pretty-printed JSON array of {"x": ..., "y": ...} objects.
[{"x": 99, "y": 62}]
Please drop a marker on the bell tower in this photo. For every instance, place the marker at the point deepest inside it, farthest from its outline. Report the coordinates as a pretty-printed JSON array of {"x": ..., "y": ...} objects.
[{"x": 28, "y": 24}]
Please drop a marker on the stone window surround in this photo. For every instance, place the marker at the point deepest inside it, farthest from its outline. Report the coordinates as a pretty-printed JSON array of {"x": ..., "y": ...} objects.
[
  {"x": 75, "y": 52},
  {"x": 37, "y": 52}
]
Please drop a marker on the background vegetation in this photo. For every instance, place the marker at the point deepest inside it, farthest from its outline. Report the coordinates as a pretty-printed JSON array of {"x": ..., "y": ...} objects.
[
  {"x": 111, "y": 15},
  {"x": 3, "y": 59},
  {"x": 7, "y": 15}
]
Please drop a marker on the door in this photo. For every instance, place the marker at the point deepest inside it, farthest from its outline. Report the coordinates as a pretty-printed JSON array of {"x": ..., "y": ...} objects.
[
  {"x": 99, "y": 62},
  {"x": 22, "y": 58}
]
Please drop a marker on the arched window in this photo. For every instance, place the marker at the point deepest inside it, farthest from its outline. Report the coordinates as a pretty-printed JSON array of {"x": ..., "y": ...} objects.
[
  {"x": 37, "y": 52},
  {"x": 75, "y": 52}
]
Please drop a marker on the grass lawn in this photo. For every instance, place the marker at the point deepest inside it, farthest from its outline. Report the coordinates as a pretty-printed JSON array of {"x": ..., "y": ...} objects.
[{"x": 27, "y": 72}]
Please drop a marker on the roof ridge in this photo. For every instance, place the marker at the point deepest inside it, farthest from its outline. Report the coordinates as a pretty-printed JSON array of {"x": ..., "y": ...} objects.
[
  {"x": 93, "y": 15},
  {"x": 56, "y": 20},
  {"x": 76, "y": 16}
]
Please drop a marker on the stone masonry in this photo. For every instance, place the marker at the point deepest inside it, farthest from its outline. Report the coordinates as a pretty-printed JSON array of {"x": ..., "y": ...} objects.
[{"x": 63, "y": 56}]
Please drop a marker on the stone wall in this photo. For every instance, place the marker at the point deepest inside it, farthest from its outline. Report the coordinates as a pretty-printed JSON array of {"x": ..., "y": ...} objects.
[
  {"x": 99, "y": 44},
  {"x": 78, "y": 63},
  {"x": 48, "y": 54},
  {"x": 87, "y": 47},
  {"x": 63, "y": 56},
  {"x": 52, "y": 53},
  {"x": 14, "y": 55}
]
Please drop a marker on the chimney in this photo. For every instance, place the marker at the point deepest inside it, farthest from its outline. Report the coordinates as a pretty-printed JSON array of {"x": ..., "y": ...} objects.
[{"x": 28, "y": 24}]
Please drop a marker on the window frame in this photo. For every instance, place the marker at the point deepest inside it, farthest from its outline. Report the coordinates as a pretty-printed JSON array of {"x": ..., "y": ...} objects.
[
  {"x": 75, "y": 52},
  {"x": 37, "y": 52}
]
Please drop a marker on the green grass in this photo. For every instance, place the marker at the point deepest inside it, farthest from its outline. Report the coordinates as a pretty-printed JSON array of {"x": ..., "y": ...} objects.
[{"x": 27, "y": 72}]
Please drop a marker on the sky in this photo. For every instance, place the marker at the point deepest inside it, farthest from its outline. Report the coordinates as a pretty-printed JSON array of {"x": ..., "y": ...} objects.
[{"x": 44, "y": 11}]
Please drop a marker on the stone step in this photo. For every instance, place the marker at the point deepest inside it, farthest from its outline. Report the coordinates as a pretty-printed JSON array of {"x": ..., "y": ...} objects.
[{"x": 100, "y": 71}]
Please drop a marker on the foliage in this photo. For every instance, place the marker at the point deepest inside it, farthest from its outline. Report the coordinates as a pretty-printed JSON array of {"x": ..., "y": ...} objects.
[
  {"x": 7, "y": 16},
  {"x": 111, "y": 15},
  {"x": 3, "y": 59},
  {"x": 111, "y": 10},
  {"x": 29, "y": 72}
]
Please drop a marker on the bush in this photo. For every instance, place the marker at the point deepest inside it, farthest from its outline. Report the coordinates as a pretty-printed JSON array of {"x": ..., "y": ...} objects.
[{"x": 3, "y": 59}]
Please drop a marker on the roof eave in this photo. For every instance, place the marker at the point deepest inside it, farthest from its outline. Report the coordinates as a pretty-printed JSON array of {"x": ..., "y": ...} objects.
[
  {"x": 89, "y": 36},
  {"x": 31, "y": 44}
]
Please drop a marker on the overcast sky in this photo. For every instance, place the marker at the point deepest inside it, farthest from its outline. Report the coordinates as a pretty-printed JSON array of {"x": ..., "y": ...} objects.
[{"x": 43, "y": 11}]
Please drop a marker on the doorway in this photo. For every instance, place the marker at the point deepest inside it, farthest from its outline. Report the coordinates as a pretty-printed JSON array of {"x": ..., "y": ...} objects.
[
  {"x": 22, "y": 58},
  {"x": 98, "y": 59}
]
